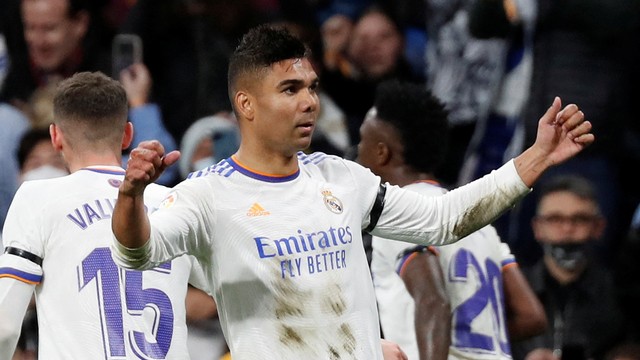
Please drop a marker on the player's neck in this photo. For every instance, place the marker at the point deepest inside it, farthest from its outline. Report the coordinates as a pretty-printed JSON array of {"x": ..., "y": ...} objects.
[
  {"x": 86, "y": 160},
  {"x": 267, "y": 163}
]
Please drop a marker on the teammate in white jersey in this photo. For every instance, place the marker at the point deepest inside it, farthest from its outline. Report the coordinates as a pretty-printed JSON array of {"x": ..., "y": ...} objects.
[
  {"x": 278, "y": 232},
  {"x": 57, "y": 237},
  {"x": 403, "y": 140}
]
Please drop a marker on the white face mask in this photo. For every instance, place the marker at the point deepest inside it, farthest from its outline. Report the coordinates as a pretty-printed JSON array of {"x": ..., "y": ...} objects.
[
  {"x": 203, "y": 163},
  {"x": 43, "y": 172}
]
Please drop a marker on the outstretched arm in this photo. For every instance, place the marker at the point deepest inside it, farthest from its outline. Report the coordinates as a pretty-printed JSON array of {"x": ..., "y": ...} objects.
[
  {"x": 423, "y": 278},
  {"x": 561, "y": 135},
  {"x": 130, "y": 223}
]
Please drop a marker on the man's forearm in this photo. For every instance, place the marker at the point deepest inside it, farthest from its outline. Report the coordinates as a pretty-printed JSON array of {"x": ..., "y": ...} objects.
[
  {"x": 130, "y": 223},
  {"x": 530, "y": 165},
  {"x": 14, "y": 300}
]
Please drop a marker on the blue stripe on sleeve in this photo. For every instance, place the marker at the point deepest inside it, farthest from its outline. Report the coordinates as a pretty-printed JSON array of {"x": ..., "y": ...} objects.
[{"x": 20, "y": 275}]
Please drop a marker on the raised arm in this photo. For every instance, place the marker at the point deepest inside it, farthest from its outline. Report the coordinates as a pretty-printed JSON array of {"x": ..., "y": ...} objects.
[
  {"x": 130, "y": 223},
  {"x": 423, "y": 278},
  {"x": 561, "y": 135}
]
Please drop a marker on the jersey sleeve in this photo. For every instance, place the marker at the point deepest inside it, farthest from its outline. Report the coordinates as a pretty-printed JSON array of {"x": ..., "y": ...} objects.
[
  {"x": 14, "y": 300},
  {"x": 24, "y": 238},
  {"x": 197, "y": 277},
  {"x": 18, "y": 277},
  {"x": 444, "y": 219},
  {"x": 367, "y": 184},
  {"x": 507, "y": 258}
]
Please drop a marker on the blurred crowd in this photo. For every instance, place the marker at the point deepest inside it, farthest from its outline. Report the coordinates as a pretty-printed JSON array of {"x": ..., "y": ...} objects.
[{"x": 496, "y": 64}]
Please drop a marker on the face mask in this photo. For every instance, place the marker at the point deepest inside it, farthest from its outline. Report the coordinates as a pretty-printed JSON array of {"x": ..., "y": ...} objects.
[
  {"x": 567, "y": 256},
  {"x": 44, "y": 172},
  {"x": 204, "y": 163}
]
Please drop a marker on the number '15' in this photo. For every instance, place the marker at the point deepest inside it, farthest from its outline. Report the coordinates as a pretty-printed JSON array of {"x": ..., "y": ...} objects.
[{"x": 99, "y": 266}]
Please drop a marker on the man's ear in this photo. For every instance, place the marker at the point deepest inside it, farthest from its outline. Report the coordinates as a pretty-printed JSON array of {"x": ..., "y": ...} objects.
[
  {"x": 600, "y": 224},
  {"x": 81, "y": 23},
  {"x": 244, "y": 104},
  {"x": 127, "y": 137},
  {"x": 56, "y": 137},
  {"x": 383, "y": 153}
]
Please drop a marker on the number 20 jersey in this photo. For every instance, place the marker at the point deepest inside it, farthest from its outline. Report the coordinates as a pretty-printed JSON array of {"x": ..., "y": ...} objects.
[
  {"x": 473, "y": 282},
  {"x": 87, "y": 307}
]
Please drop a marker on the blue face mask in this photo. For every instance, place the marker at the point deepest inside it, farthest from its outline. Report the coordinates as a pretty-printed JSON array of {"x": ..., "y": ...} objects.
[{"x": 568, "y": 256}]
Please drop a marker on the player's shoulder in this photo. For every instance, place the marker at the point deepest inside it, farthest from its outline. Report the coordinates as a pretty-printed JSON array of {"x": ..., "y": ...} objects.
[
  {"x": 327, "y": 163},
  {"x": 426, "y": 188},
  {"x": 154, "y": 193},
  {"x": 45, "y": 188},
  {"x": 222, "y": 169}
]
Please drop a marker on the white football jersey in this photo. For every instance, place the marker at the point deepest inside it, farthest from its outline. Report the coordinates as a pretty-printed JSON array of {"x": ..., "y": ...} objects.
[
  {"x": 473, "y": 281},
  {"x": 284, "y": 254},
  {"x": 88, "y": 308}
]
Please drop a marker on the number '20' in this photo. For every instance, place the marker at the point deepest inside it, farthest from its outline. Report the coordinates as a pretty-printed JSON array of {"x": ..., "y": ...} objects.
[{"x": 488, "y": 293}]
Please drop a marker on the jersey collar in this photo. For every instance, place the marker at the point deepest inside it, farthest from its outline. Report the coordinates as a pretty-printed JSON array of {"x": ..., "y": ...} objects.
[{"x": 261, "y": 176}]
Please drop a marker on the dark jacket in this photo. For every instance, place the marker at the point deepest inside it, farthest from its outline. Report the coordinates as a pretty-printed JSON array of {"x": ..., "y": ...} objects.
[{"x": 584, "y": 316}]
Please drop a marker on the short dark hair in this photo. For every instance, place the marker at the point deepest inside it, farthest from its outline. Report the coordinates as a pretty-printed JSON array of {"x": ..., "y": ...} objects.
[
  {"x": 92, "y": 101},
  {"x": 420, "y": 119},
  {"x": 261, "y": 47},
  {"x": 28, "y": 142},
  {"x": 574, "y": 184}
]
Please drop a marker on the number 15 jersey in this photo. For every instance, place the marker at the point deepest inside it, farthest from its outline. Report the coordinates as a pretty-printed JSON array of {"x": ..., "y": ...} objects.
[{"x": 87, "y": 307}]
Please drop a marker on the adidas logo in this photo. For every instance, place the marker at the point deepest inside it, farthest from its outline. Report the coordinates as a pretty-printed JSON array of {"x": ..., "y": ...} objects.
[{"x": 257, "y": 210}]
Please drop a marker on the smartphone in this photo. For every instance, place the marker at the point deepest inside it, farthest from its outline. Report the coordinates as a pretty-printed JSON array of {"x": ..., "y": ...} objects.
[{"x": 126, "y": 50}]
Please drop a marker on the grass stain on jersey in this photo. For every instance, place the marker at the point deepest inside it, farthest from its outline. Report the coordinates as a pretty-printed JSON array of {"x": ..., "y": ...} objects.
[
  {"x": 333, "y": 353},
  {"x": 349, "y": 340},
  {"x": 289, "y": 336},
  {"x": 334, "y": 301}
]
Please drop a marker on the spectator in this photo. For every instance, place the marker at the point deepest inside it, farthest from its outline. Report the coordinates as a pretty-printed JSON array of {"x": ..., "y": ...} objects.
[
  {"x": 576, "y": 291},
  {"x": 14, "y": 124},
  {"x": 593, "y": 42},
  {"x": 145, "y": 116},
  {"x": 207, "y": 141},
  {"x": 375, "y": 52},
  {"x": 37, "y": 157},
  {"x": 627, "y": 273},
  {"x": 61, "y": 39},
  {"x": 499, "y": 134},
  {"x": 464, "y": 72},
  {"x": 187, "y": 45}
]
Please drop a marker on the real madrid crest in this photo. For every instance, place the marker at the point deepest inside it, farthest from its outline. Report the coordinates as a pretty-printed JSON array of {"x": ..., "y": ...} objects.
[{"x": 331, "y": 202}]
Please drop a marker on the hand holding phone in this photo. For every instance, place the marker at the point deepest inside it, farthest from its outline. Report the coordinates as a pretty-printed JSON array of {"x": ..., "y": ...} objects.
[{"x": 126, "y": 51}]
